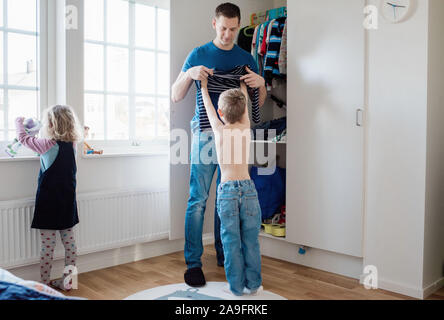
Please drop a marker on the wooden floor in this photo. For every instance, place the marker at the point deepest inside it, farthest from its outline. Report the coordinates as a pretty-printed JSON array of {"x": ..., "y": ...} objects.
[{"x": 294, "y": 282}]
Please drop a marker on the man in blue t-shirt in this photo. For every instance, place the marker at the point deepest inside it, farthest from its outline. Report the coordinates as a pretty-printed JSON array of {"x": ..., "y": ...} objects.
[{"x": 221, "y": 54}]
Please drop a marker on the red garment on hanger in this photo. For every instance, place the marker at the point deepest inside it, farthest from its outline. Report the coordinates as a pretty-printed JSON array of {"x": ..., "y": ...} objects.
[{"x": 264, "y": 42}]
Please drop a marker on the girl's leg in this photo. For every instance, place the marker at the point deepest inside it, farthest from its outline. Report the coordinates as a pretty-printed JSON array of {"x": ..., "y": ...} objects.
[
  {"x": 68, "y": 240},
  {"x": 48, "y": 242}
]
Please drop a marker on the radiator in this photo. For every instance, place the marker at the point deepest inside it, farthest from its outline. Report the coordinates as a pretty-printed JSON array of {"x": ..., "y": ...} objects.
[{"x": 108, "y": 220}]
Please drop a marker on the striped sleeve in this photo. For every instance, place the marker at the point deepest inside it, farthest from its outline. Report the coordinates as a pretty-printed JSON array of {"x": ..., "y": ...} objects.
[{"x": 220, "y": 82}]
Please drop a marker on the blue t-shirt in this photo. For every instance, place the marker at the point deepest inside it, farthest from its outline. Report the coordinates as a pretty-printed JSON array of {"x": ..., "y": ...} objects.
[{"x": 212, "y": 57}]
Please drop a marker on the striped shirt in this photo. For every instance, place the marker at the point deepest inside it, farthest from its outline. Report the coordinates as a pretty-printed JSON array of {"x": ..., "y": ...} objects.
[
  {"x": 222, "y": 81},
  {"x": 271, "y": 66}
]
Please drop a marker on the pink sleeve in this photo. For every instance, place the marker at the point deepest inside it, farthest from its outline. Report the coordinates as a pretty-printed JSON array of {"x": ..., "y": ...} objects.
[{"x": 41, "y": 146}]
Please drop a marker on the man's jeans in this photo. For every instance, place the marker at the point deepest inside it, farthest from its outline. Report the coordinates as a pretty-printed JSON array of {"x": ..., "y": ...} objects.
[
  {"x": 202, "y": 172},
  {"x": 240, "y": 215}
]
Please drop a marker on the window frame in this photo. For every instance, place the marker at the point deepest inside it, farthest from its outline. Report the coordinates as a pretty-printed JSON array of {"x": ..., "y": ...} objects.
[
  {"x": 131, "y": 94},
  {"x": 41, "y": 65}
]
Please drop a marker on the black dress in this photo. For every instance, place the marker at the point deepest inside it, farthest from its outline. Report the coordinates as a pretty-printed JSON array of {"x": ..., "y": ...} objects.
[{"x": 55, "y": 204}]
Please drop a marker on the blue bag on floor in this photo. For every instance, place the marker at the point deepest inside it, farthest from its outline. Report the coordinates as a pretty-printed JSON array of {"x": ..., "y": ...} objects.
[{"x": 270, "y": 190}]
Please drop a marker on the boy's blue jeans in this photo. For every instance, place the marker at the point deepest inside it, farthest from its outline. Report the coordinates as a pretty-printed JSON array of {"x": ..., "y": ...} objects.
[
  {"x": 240, "y": 215},
  {"x": 202, "y": 173}
]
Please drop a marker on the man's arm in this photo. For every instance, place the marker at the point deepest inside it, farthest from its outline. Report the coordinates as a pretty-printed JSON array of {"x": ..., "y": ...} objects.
[
  {"x": 181, "y": 87},
  {"x": 262, "y": 95},
  {"x": 185, "y": 80},
  {"x": 216, "y": 124}
]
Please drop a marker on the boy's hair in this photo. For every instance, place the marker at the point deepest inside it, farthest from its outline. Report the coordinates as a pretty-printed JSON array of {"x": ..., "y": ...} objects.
[
  {"x": 228, "y": 10},
  {"x": 232, "y": 103},
  {"x": 61, "y": 124}
]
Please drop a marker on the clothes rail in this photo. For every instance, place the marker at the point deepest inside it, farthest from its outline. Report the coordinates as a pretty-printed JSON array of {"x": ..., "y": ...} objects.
[{"x": 261, "y": 17}]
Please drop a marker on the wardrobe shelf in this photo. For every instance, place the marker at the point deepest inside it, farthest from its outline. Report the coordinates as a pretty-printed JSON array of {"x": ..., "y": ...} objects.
[{"x": 266, "y": 235}]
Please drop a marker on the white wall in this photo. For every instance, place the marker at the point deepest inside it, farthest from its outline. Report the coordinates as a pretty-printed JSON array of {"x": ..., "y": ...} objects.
[
  {"x": 434, "y": 218},
  {"x": 280, "y": 3},
  {"x": 396, "y": 166}
]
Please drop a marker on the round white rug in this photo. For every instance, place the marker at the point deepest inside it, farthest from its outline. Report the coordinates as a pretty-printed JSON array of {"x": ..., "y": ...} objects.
[{"x": 211, "y": 291}]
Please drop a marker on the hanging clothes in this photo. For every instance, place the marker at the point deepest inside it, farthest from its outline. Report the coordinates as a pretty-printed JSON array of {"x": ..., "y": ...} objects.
[
  {"x": 269, "y": 31},
  {"x": 220, "y": 82},
  {"x": 267, "y": 44},
  {"x": 264, "y": 40},
  {"x": 254, "y": 46},
  {"x": 263, "y": 48},
  {"x": 283, "y": 52},
  {"x": 245, "y": 38},
  {"x": 271, "y": 65},
  {"x": 259, "y": 48}
]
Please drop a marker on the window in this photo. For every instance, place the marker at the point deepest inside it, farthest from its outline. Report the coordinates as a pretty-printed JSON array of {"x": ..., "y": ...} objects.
[
  {"x": 126, "y": 69},
  {"x": 19, "y": 63}
]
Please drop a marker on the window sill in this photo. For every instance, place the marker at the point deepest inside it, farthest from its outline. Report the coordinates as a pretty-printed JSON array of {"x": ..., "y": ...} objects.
[
  {"x": 117, "y": 150},
  {"x": 95, "y": 156},
  {"x": 125, "y": 154},
  {"x": 23, "y": 158},
  {"x": 110, "y": 151}
]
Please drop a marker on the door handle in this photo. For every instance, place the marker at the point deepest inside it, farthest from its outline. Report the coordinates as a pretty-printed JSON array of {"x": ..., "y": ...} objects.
[{"x": 359, "y": 112}]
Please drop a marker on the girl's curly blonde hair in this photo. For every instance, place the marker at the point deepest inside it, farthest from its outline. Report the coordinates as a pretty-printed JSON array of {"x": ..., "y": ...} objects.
[{"x": 61, "y": 124}]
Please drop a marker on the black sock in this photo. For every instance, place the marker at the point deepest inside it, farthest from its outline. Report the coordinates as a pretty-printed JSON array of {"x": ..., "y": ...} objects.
[{"x": 194, "y": 277}]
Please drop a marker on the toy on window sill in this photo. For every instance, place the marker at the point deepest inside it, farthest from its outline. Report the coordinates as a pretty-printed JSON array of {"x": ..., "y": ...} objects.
[
  {"x": 87, "y": 149},
  {"x": 32, "y": 127}
]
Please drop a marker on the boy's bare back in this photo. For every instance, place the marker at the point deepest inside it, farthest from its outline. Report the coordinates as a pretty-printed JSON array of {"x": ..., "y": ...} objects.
[{"x": 232, "y": 140}]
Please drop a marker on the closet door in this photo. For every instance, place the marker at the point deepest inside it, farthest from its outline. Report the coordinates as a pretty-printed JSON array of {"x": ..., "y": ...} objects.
[{"x": 325, "y": 138}]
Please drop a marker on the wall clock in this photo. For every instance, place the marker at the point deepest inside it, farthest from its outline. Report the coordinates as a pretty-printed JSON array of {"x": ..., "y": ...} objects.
[{"x": 395, "y": 11}]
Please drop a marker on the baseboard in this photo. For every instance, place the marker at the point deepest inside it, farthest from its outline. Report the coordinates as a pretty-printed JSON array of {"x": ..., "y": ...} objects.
[
  {"x": 410, "y": 291},
  {"x": 400, "y": 288},
  {"x": 431, "y": 289},
  {"x": 110, "y": 258},
  {"x": 340, "y": 264}
]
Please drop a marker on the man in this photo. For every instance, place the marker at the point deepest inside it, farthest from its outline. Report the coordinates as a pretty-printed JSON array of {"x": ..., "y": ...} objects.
[{"x": 221, "y": 54}]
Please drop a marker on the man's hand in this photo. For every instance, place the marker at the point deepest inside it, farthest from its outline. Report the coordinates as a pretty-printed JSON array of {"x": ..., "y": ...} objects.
[
  {"x": 253, "y": 80},
  {"x": 199, "y": 73}
]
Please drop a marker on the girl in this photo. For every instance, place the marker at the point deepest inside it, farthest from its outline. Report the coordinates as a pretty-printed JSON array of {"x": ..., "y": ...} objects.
[{"x": 55, "y": 204}]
